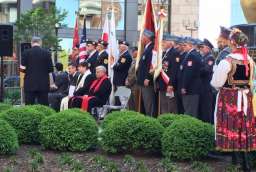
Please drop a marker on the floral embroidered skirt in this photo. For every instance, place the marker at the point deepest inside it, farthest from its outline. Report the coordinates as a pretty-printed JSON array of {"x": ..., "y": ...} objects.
[{"x": 235, "y": 125}]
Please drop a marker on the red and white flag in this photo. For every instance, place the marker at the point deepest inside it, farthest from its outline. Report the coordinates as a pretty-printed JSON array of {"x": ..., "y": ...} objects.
[
  {"x": 158, "y": 51},
  {"x": 105, "y": 33},
  {"x": 149, "y": 23}
]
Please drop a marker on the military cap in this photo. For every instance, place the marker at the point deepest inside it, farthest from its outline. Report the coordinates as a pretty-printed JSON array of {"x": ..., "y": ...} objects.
[
  {"x": 169, "y": 37},
  {"x": 123, "y": 43},
  {"x": 148, "y": 33},
  {"x": 198, "y": 42},
  {"x": 224, "y": 32},
  {"x": 189, "y": 40},
  {"x": 207, "y": 43},
  {"x": 91, "y": 42},
  {"x": 180, "y": 40},
  {"x": 103, "y": 43}
]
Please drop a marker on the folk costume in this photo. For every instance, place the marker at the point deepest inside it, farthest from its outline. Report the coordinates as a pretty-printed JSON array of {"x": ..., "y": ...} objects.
[{"x": 234, "y": 116}]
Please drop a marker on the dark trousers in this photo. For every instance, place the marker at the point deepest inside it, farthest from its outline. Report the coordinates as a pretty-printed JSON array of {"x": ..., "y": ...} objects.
[
  {"x": 179, "y": 102},
  {"x": 190, "y": 103},
  {"x": 167, "y": 104},
  {"x": 77, "y": 103},
  {"x": 149, "y": 100},
  {"x": 39, "y": 97},
  {"x": 206, "y": 107},
  {"x": 55, "y": 100}
]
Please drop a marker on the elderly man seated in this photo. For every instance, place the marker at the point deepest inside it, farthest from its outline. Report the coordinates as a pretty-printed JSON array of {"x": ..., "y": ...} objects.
[{"x": 99, "y": 91}]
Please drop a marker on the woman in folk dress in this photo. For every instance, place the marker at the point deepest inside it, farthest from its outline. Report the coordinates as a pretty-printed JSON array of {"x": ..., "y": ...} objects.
[{"x": 234, "y": 118}]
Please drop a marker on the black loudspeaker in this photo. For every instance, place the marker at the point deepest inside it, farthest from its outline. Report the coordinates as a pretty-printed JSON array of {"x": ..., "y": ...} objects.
[
  {"x": 24, "y": 46},
  {"x": 6, "y": 40}
]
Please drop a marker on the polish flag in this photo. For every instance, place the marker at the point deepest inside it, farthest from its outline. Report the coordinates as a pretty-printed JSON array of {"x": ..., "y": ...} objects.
[{"x": 105, "y": 33}]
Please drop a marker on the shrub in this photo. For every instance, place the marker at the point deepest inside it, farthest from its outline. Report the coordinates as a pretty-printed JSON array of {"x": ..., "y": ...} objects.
[
  {"x": 47, "y": 111},
  {"x": 69, "y": 130},
  {"x": 4, "y": 107},
  {"x": 167, "y": 119},
  {"x": 115, "y": 115},
  {"x": 187, "y": 139},
  {"x": 132, "y": 134},
  {"x": 25, "y": 121},
  {"x": 8, "y": 138}
]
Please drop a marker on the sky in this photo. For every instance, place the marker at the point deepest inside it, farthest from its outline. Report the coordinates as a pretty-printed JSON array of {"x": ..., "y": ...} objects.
[{"x": 212, "y": 15}]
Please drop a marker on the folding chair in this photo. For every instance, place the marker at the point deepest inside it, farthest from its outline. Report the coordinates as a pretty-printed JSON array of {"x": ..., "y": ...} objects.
[{"x": 123, "y": 93}]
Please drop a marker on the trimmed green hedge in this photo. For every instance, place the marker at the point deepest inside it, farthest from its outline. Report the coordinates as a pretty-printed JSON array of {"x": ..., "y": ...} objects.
[
  {"x": 47, "y": 111},
  {"x": 4, "y": 107},
  {"x": 187, "y": 139},
  {"x": 130, "y": 134},
  {"x": 8, "y": 138},
  {"x": 25, "y": 121},
  {"x": 115, "y": 115},
  {"x": 167, "y": 119},
  {"x": 69, "y": 130}
]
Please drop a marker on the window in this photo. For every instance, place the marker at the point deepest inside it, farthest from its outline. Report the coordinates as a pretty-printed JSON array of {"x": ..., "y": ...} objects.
[
  {"x": 8, "y": 11},
  {"x": 96, "y": 10},
  {"x": 157, "y": 5}
]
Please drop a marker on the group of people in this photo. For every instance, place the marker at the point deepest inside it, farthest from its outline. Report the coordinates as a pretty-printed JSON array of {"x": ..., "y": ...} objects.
[{"x": 191, "y": 81}]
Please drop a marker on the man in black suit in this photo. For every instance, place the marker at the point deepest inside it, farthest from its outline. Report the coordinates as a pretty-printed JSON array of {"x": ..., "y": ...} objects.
[
  {"x": 60, "y": 87},
  {"x": 102, "y": 59},
  {"x": 190, "y": 79},
  {"x": 36, "y": 63},
  {"x": 207, "y": 95},
  {"x": 93, "y": 54},
  {"x": 166, "y": 82},
  {"x": 144, "y": 76}
]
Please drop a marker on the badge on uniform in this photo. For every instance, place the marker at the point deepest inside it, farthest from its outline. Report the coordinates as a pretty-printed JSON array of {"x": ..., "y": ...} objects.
[
  {"x": 181, "y": 67},
  {"x": 210, "y": 63},
  {"x": 105, "y": 61},
  {"x": 177, "y": 59},
  {"x": 123, "y": 60},
  {"x": 143, "y": 57},
  {"x": 89, "y": 64},
  {"x": 190, "y": 63}
]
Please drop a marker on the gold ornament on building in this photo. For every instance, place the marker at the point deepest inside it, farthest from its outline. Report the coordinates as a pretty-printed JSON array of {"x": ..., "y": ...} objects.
[{"x": 249, "y": 9}]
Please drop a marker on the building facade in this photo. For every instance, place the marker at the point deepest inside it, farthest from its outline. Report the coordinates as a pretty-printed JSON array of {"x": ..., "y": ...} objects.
[{"x": 183, "y": 16}]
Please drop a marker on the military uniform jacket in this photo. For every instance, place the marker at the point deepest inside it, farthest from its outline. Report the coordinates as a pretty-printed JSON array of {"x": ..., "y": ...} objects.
[
  {"x": 144, "y": 66},
  {"x": 92, "y": 61},
  {"x": 207, "y": 70},
  {"x": 37, "y": 64},
  {"x": 223, "y": 54},
  {"x": 102, "y": 59},
  {"x": 170, "y": 64},
  {"x": 190, "y": 73},
  {"x": 121, "y": 69},
  {"x": 179, "y": 72}
]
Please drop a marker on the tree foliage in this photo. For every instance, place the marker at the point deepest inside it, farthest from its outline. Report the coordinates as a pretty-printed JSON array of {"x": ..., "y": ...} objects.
[{"x": 39, "y": 22}]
